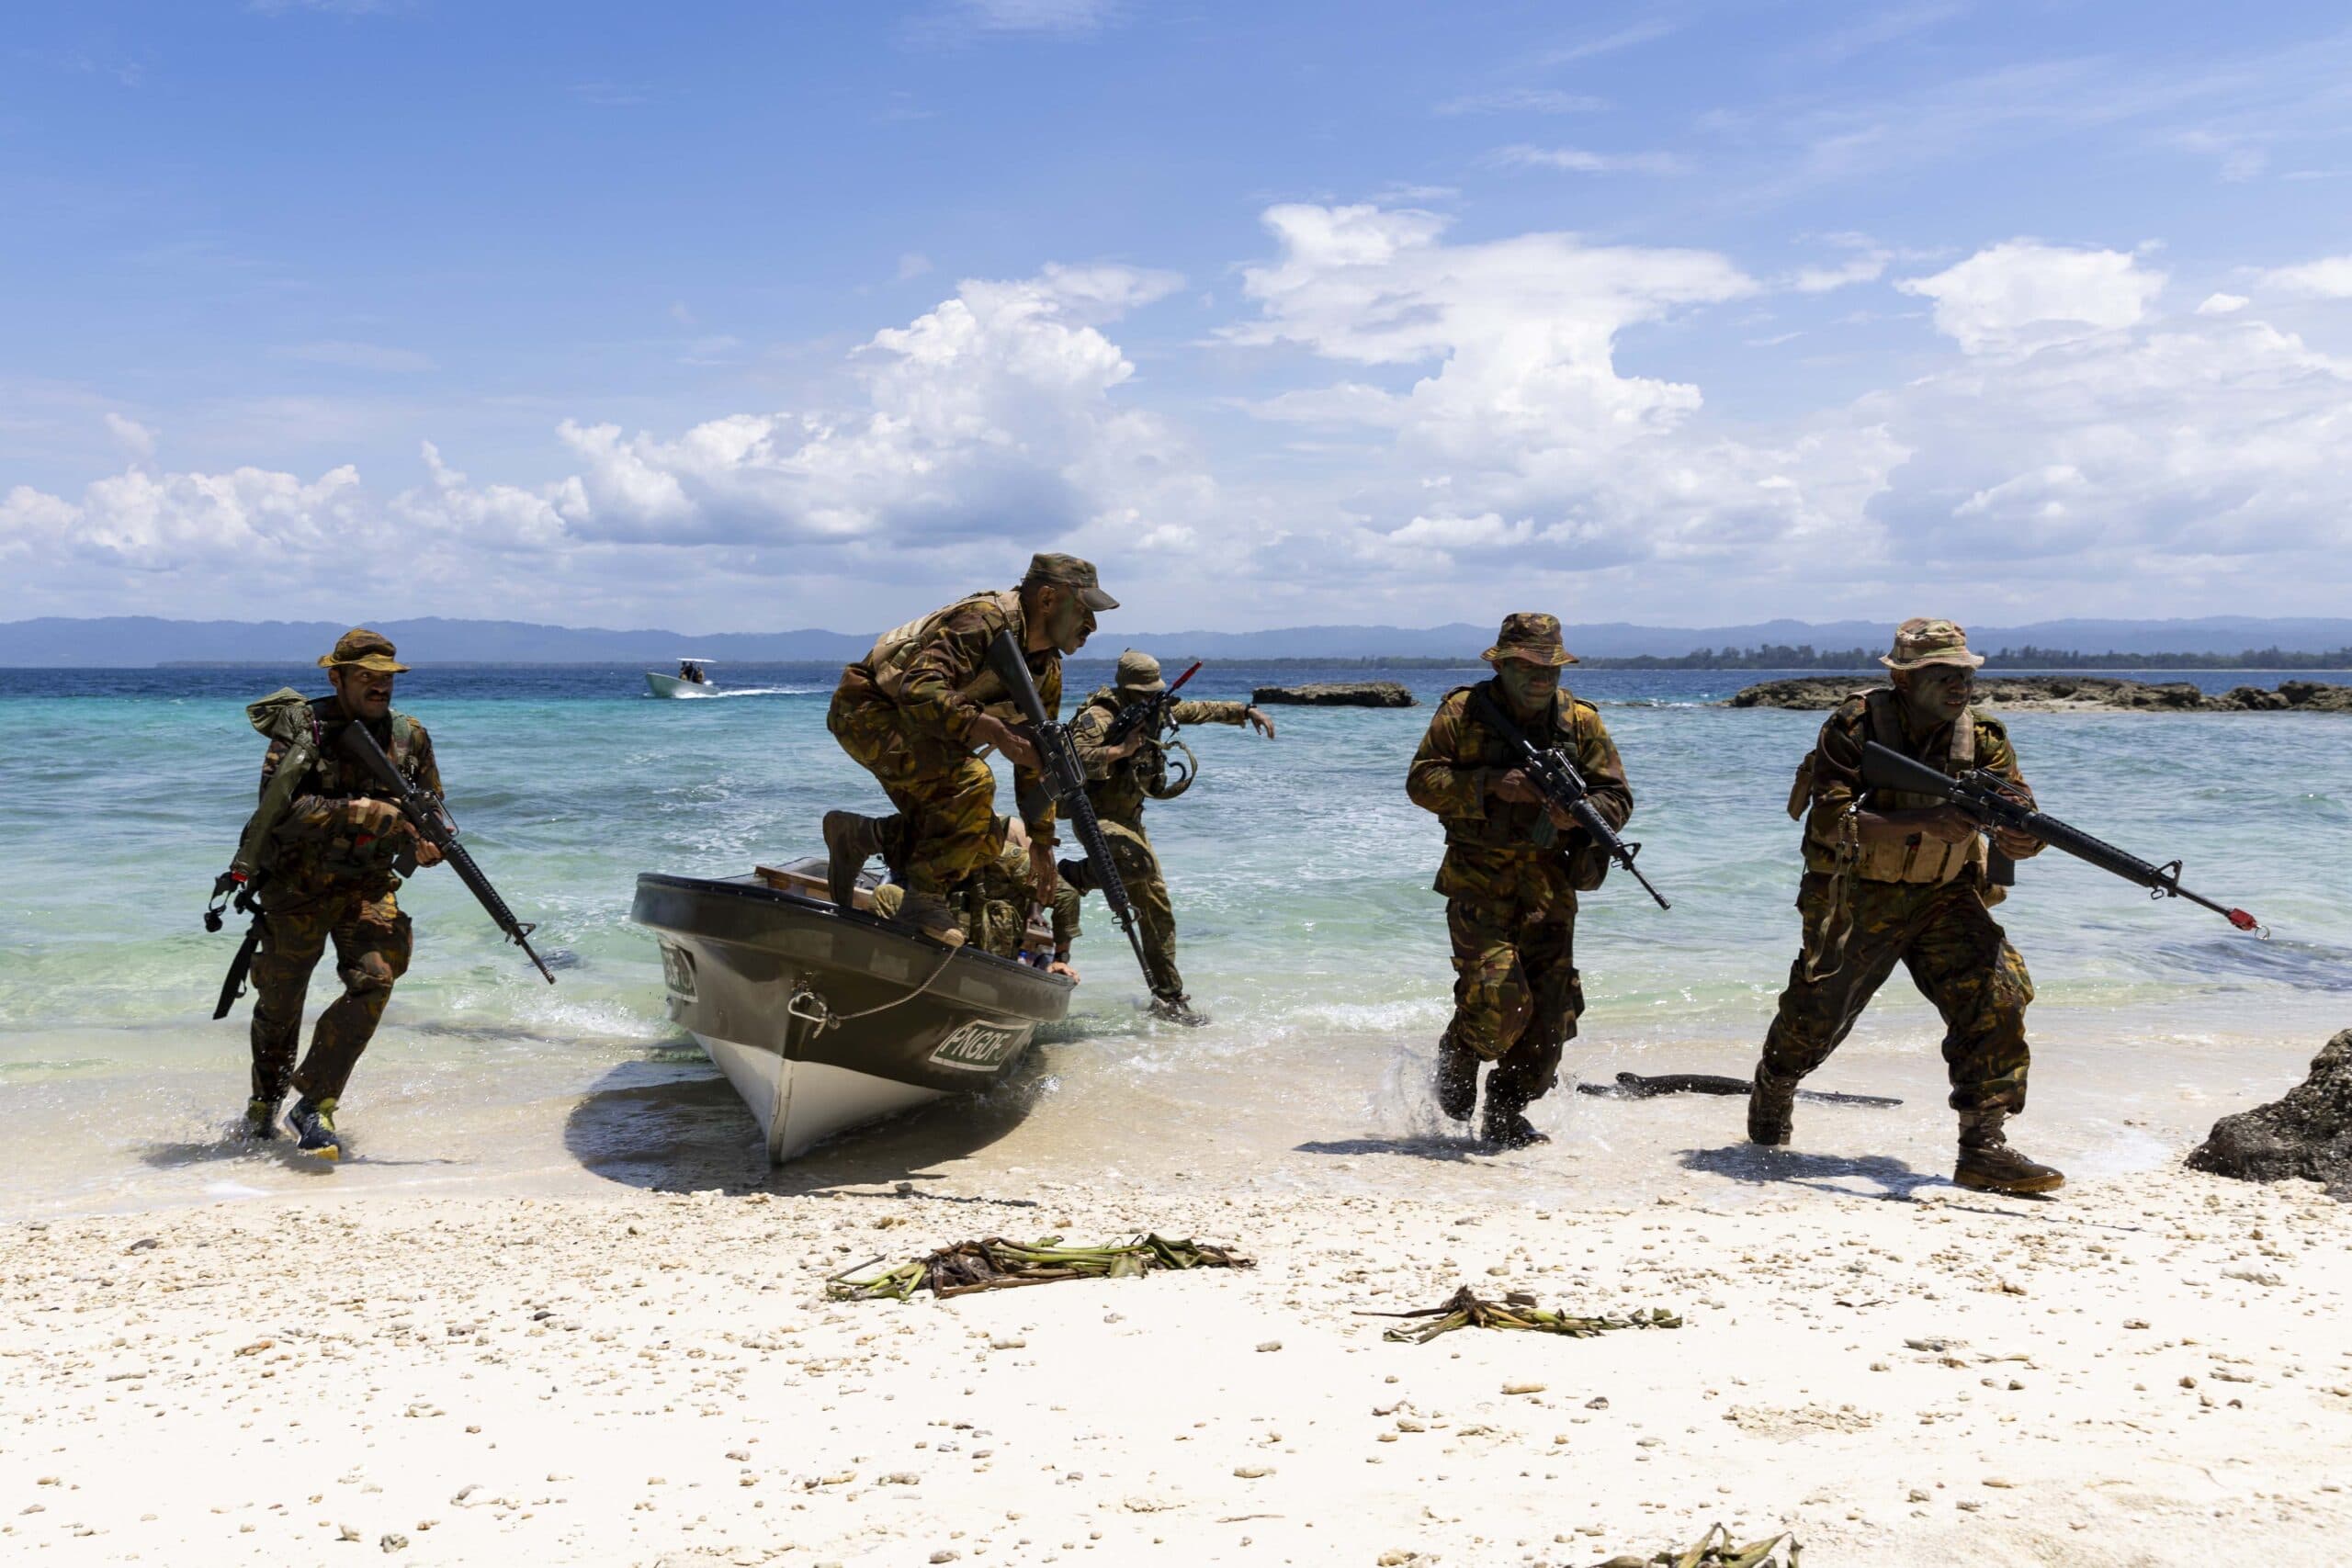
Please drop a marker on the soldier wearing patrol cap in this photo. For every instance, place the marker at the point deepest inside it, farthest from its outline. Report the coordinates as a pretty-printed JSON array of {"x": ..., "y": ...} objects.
[
  {"x": 917, "y": 711},
  {"x": 1513, "y": 866},
  {"x": 1118, "y": 780},
  {"x": 1891, "y": 879},
  {"x": 329, "y": 877}
]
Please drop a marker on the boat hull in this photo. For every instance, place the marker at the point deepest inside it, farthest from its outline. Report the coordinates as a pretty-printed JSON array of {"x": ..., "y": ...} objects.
[
  {"x": 754, "y": 971},
  {"x": 662, "y": 685}
]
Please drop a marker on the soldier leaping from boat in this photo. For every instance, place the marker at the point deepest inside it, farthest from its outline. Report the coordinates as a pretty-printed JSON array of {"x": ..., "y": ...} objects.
[{"x": 920, "y": 709}]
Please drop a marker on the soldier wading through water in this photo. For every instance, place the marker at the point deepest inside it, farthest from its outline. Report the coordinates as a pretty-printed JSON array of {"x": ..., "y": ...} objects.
[
  {"x": 1118, "y": 780},
  {"x": 1513, "y": 865},
  {"x": 1892, "y": 878},
  {"x": 328, "y": 854},
  {"x": 917, "y": 712}
]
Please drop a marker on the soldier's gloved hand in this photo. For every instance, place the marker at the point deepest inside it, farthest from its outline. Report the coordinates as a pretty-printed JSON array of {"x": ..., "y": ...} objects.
[
  {"x": 2014, "y": 844},
  {"x": 374, "y": 818},
  {"x": 1513, "y": 786},
  {"x": 1043, "y": 875},
  {"x": 1127, "y": 748},
  {"x": 427, "y": 852}
]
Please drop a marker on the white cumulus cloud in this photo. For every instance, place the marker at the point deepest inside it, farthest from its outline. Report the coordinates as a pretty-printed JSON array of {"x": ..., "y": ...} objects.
[
  {"x": 2022, "y": 295},
  {"x": 2330, "y": 277}
]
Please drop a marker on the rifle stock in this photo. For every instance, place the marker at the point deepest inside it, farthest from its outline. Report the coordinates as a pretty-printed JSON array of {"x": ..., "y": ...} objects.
[{"x": 1993, "y": 802}]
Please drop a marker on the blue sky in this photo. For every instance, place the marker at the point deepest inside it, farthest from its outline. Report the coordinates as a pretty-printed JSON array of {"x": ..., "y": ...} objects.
[{"x": 752, "y": 316}]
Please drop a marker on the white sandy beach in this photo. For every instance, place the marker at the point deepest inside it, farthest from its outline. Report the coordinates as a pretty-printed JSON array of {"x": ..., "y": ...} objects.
[{"x": 2152, "y": 1369}]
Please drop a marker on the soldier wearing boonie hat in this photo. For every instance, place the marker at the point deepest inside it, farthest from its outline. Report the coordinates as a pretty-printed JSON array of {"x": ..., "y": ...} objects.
[
  {"x": 1892, "y": 878},
  {"x": 1513, "y": 869},
  {"x": 329, "y": 876},
  {"x": 920, "y": 709},
  {"x": 1119, "y": 779}
]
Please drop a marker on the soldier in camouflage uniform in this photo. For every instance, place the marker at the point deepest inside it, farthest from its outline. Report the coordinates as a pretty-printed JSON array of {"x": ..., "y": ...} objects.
[
  {"x": 1892, "y": 878},
  {"x": 916, "y": 712},
  {"x": 1118, "y": 780},
  {"x": 330, "y": 878},
  {"x": 1513, "y": 866},
  {"x": 994, "y": 907}
]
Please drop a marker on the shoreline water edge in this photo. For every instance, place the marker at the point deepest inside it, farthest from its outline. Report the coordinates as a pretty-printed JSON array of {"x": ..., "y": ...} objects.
[{"x": 556, "y": 1305}]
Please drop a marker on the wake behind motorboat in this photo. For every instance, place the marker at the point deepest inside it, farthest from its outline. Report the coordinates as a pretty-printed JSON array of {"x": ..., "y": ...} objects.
[
  {"x": 823, "y": 1018},
  {"x": 693, "y": 680}
]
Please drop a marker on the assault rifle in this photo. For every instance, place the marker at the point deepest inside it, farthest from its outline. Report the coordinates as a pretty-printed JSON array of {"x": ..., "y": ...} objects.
[
  {"x": 431, "y": 820},
  {"x": 1066, "y": 782},
  {"x": 1150, "y": 715},
  {"x": 1993, "y": 801},
  {"x": 1562, "y": 786}
]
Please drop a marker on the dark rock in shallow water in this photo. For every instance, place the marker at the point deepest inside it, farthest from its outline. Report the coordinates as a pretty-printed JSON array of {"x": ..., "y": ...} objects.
[
  {"x": 2308, "y": 1133},
  {"x": 1338, "y": 695}
]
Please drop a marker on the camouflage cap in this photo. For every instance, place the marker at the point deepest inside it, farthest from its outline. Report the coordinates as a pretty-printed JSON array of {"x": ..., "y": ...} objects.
[
  {"x": 1920, "y": 641},
  {"x": 1531, "y": 637},
  {"x": 363, "y": 648},
  {"x": 1047, "y": 566},
  {"x": 1139, "y": 673}
]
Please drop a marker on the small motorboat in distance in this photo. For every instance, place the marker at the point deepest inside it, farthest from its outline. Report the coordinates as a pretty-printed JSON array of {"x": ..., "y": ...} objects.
[
  {"x": 823, "y": 1018},
  {"x": 691, "y": 680}
]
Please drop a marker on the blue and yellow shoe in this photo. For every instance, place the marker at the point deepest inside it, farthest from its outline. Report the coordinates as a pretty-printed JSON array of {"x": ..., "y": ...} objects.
[{"x": 313, "y": 1124}]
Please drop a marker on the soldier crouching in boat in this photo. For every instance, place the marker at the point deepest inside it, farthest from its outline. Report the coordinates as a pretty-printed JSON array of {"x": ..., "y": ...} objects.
[
  {"x": 1513, "y": 865},
  {"x": 994, "y": 907},
  {"x": 328, "y": 853},
  {"x": 917, "y": 711},
  {"x": 1119, "y": 777},
  {"x": 1891, "y": 878}
]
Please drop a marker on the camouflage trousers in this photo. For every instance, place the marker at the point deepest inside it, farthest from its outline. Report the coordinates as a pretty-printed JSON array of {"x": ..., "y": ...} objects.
[
  {"x": 1517, "y": 994},
  {"x": 1959, "y": 958},
  {"x": 949, "y": 799},
  {"x": 371, "y": 951},
  {"x": 1138, "y": 864}
]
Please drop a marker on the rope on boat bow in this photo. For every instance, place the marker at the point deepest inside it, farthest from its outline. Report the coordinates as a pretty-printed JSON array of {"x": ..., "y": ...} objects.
[{"x": 808, "y": 1005}]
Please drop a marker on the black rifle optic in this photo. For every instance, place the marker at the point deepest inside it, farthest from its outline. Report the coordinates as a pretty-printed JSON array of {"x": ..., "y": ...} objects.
[
  {"x": 1994, "y": 802},
  {"x": 1150, "y": 713},
  {"x": 1562, "y": 786},
  {"x": 1066, "y": 782},
  {"x": 431, "y": 820}
]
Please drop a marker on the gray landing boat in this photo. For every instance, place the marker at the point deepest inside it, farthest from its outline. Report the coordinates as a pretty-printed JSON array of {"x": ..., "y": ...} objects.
[{"x": 823, "y": 1018}]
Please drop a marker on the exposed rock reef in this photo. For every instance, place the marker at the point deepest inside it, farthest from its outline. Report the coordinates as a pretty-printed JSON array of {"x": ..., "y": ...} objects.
[
  {"x": 2070, "y": 694},
  {"x": 1338, "y": 695},
  {"x": 2308, "y": 1133}
]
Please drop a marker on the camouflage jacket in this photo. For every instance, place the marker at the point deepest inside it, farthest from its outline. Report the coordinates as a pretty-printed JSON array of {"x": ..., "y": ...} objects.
[
  {"x": 1836, "y": 766},
  {"x": 935, "y": 672},
  {"x": 317, "y": 843},
  {"x": 1489, "y": 841},
  {"x": 1119, "y": 786}
]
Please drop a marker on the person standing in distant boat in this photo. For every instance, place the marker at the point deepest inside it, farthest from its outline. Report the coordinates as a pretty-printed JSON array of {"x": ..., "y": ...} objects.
[
  {"x": 1118, "y": 780},
  {"x": 330, "y": 877},
  {"x": 1891, "y": 879},
  {"x": 1513, "y": 866},
  {"x": 918, "y": 711}
]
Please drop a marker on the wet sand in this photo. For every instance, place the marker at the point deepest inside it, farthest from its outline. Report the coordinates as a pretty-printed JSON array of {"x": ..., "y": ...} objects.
[{"x": 2150, "y": 1367}]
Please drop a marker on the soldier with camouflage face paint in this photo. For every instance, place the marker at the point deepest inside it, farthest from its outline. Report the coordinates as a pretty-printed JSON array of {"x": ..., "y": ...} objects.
[
  {"x": 330, "y": 878},
  {"x": 1892, "y": 879},
  {"x": 1513, "y": 866},
  {"x": 918, "y": 711},
  {"x": 1119, "y": 779}
]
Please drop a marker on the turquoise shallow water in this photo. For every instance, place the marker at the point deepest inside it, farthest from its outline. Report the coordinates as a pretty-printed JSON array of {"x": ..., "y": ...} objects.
[{"x": 1300, "y": 871}]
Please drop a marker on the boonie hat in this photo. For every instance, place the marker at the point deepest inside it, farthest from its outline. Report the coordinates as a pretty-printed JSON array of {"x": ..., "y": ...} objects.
[
  {"x": 1532, "y": 638},
  {"x": 1920, "y": 641},
  {"x": 364, "y": 649},
  {"x": 1049, "y": 566},
  {"x": 1139, "y": 673}
]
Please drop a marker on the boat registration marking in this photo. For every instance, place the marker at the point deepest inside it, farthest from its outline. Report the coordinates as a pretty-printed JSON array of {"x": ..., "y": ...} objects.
[
  {"x": 678, "y": 971},
  {"x": 979, "y": 1047}
]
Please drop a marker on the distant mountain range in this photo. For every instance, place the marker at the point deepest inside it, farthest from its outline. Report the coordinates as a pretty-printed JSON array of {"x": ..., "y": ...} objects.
[{"x": 134, "y": 641}]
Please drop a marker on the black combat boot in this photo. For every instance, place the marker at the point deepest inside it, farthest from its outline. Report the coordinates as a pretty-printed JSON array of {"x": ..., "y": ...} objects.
[
  {"x": 850, "y": 842},
  {"x": 1457, "y": 1079},
  {"x": 312, "y": 1122},
  {"x": 1987, "y": 1163},
  {"x": 931, "y": 915},
  {"x": 1771, "y": 1108},
  {"x": 1505, "y": 1125},
  {"x": 1177, "y": 1007}
]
